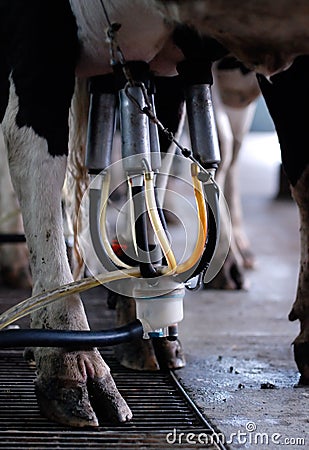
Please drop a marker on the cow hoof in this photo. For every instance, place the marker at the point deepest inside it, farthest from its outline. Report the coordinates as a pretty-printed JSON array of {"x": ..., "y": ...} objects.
[
  {"x": 151, "y": 355},
  {"x": 244, "y": 251},
  {"x": 230, "y": 277},
  {"x": 75, "y": 388},
  {"x": 66, "y": 404},
  {"x": 248, "y": 258},
  {"x": 170, "y": 354},
  {"x": 106, "y": 400},
  {"x": 29, "y": 357},
  {"x": 137, "y": 355},
  {"x": 301, "y": 355}
]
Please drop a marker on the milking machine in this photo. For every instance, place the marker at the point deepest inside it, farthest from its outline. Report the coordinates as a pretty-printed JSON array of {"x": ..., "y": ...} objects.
[{"x": 149, "y": 272}]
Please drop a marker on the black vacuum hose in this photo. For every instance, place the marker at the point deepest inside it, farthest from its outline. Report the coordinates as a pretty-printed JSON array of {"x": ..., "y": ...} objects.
[
  {"x": 146, "y": 267},
  {"x": 70, "y": 339},
  {"x": 9, "y": 238},
  {"x": 210, "y": 245}
]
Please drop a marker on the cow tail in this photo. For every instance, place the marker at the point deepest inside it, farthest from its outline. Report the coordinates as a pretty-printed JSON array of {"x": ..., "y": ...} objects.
[{"x": 77, "y": 179}]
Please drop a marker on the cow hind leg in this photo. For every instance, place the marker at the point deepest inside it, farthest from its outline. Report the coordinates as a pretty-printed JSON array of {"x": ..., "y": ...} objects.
[
  {"x": 300, "y": 309},
  {"x": 291, "y": 125},
  {"x": 240, "y": 121},
  {"x": 231, "y": 275},
  {"x": 67, "y": 381},
  {"x": 234, "y": 93}
]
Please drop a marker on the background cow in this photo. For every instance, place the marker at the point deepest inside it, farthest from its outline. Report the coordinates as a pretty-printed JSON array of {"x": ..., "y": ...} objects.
[
  {"x": 14, "y": 265},
  {"x": 234, "y": 94}
]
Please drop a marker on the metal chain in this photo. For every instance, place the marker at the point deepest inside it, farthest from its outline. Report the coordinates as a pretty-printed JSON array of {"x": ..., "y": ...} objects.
[{"x": 116, "y": 54}]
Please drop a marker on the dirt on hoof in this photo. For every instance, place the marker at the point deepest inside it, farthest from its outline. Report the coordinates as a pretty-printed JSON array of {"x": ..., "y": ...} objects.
[
  {"x": 67, "y": 405},
  {"x": 75, "y": 388},
  {"x": 106, "y": 400}
]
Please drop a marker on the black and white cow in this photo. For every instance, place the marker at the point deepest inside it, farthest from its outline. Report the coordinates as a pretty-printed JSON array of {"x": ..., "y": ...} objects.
[{"x": 43, "y": 47}]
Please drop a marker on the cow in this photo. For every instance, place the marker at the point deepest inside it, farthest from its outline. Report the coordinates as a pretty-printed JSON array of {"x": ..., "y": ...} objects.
[
  {"x": 271, "y": 38},
  {"x": 47, "y": 49},
  {"x": 234, "y": 93},
  {"x": 14, "y": 268}
]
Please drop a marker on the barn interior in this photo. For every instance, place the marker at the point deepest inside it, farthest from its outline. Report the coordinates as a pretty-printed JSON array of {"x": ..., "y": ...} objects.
[{"x": 240, "y": 370}]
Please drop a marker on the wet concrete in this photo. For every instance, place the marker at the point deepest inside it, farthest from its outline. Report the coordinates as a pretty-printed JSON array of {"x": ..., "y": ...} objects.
[{"x": 240, "y": 366}]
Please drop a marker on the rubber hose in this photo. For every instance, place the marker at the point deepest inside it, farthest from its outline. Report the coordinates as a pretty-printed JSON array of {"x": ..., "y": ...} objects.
[{"x": 70, "y": 339}]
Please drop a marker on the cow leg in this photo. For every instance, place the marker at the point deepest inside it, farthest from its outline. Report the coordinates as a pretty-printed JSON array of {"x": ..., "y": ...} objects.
[
  {"x": 234, "y": 92},
  {"x": 300, "y": 308},
  {"x": 14, "y": 260},
  {"x": 287, "y": 96},
  {"x": 66, "y": 380},
  {"x": 240, "y": 121},
  {"x": 231, "y": 275}
]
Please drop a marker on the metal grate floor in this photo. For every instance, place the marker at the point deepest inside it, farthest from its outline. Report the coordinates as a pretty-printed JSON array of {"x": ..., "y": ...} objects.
[{"x": 158, "y": 403}]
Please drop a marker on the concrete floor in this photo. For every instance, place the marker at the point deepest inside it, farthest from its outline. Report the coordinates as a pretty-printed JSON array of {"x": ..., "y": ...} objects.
[{"x": 237, "y": 342}]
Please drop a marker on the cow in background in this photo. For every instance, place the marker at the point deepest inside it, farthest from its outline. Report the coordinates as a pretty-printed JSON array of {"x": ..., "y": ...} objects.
[
  {"x": 234, "y": 92},
  {"x": 14, "y": 259}
]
